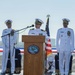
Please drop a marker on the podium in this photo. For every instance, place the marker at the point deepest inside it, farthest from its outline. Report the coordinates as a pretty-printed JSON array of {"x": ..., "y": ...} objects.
[{"x": 34, "y": 54}]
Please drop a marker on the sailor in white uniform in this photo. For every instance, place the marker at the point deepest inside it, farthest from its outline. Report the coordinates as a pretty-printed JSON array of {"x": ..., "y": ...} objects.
[
  {"x": 9, "y": 42},
  {"x": 37, "y": 30},
  {"x": 65, "y": 45}
]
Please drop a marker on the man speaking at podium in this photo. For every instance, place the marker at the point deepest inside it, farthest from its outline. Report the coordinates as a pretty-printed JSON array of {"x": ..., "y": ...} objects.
[
  {"x": 9, "y": 39},
  {"x": 37, "y": 30}
]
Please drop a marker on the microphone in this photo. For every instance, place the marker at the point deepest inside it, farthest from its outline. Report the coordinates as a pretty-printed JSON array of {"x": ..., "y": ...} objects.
[{"x": 30, "y": 26}]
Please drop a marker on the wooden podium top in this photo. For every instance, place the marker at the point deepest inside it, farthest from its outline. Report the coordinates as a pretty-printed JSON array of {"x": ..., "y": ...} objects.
[{"x": 33, "y": 38}]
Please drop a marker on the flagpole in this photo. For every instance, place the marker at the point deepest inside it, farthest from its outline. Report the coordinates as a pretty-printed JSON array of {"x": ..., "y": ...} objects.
[{"x": 46, "y": 51}]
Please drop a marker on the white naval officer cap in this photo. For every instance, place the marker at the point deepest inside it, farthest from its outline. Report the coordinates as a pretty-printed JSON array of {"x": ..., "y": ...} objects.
[
  {"x": 38, "y": 21},
  {"x": 8, "y": 21},
  {"x": 65, "y": 19}
]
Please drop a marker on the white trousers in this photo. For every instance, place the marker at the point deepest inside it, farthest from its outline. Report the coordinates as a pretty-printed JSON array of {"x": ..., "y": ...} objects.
[
  {"x": 5, "y": 58},
  {"x": 64, "y": 59}
]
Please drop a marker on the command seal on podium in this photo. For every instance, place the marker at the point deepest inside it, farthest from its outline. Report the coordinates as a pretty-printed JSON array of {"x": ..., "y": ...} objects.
[{"x": 33, "y": 49}]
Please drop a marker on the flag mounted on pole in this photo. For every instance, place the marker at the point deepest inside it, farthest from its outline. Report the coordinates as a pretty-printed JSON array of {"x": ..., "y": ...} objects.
[
  {"x": 49, "y": 64},
  {"x": 48, "y": 42}
]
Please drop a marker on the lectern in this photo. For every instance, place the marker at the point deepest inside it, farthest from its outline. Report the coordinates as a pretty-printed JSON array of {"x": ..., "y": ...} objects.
[{"x": 33, "y": 54}]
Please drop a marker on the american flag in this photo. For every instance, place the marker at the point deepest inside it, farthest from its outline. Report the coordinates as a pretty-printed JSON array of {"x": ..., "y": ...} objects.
[{"x": 48, "y": 42}]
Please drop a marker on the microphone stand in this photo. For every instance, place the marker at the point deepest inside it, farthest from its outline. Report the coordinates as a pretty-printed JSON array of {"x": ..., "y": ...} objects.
[
  {"x": 23, "y": 28},
  {"x": 9, "y": 56},
  {"x": 13, "y": 34},
  {"x": 16, "y": 31}
]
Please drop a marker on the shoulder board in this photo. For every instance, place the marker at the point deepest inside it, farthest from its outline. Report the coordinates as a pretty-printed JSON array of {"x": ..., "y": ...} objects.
[
  {"x": 32, "y": 29},
  {"x": 42, "y": 30}
]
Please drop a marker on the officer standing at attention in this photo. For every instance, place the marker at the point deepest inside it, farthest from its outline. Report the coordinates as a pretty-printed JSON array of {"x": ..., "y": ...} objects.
[
  {"x": 65, "y": 45},
  {"x": 9, "y": 41}
]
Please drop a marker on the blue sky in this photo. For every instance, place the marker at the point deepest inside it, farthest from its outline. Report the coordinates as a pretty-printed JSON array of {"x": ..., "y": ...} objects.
[{"x": 24, "y": 12}]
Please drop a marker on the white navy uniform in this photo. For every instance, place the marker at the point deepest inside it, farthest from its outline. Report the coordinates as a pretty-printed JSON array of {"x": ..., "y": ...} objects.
[
  {"x": 64, "y": 45},
  {"x": 5, "y": 40},
  {"x": 37, "y": 32}
]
